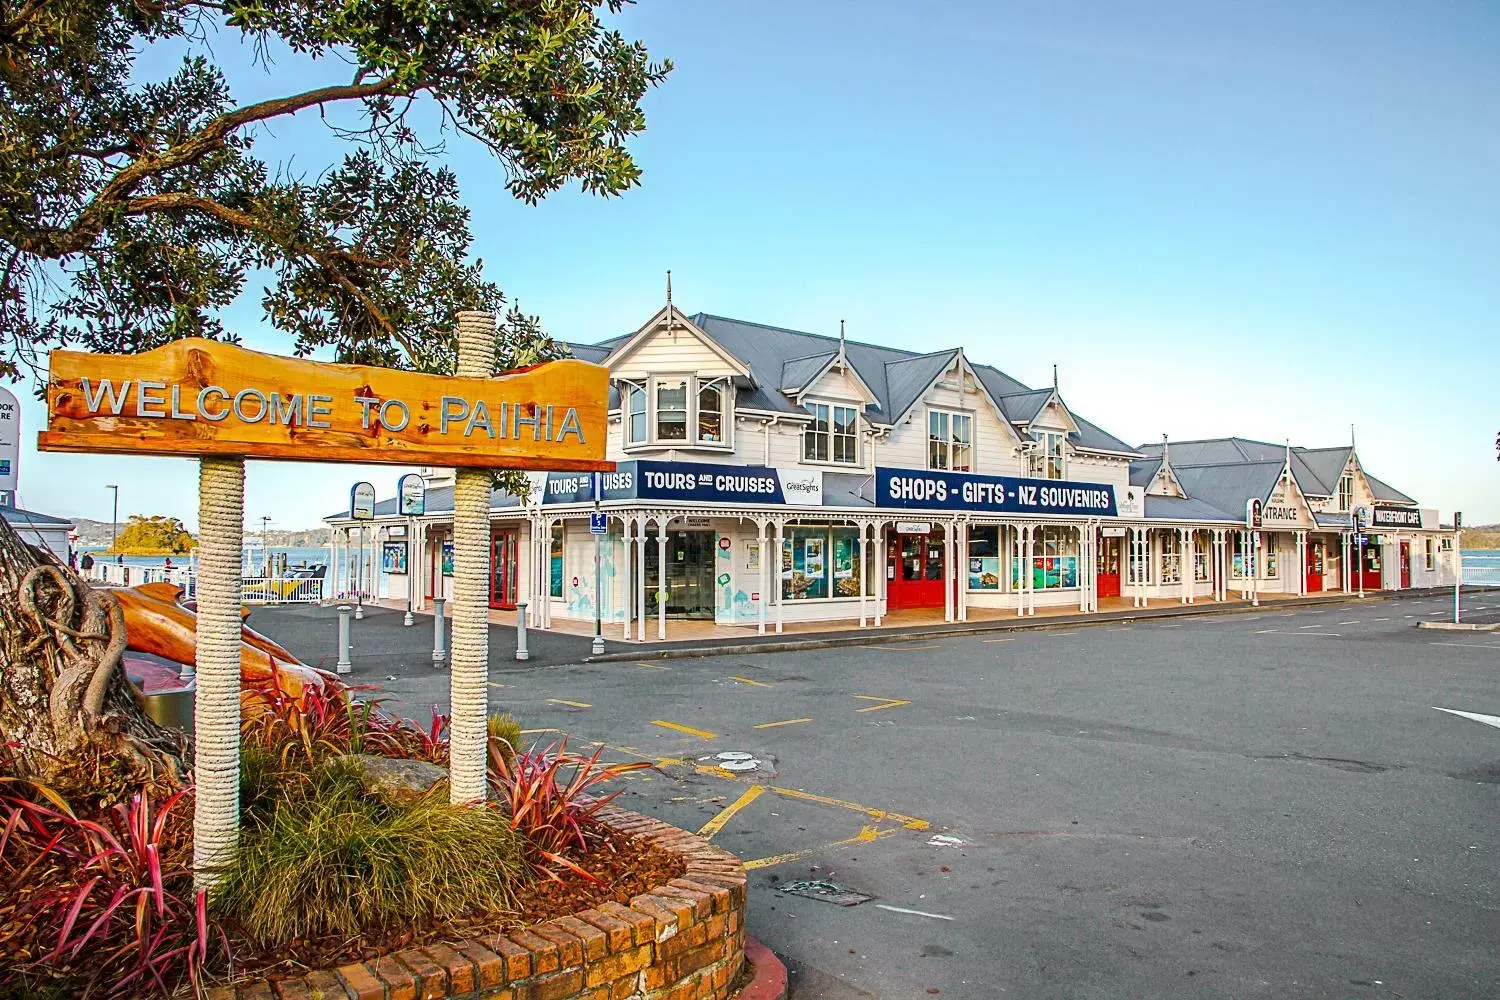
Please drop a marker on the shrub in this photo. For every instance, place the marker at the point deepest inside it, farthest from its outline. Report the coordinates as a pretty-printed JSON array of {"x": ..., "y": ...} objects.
[
  {"x": 102, "y": 905},
  {"x": 552, "y": 814},
  {"x": 330, "y": 860},
  {"x": 505, "y": 734}
]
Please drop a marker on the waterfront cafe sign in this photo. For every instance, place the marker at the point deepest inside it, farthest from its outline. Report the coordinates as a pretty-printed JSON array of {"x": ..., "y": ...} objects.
[{"x": 203, "y": 397}]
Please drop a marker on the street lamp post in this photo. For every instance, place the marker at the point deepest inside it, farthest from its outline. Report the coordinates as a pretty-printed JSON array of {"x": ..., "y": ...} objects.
[
  {"x": 265, "y": 546},
  {"x": 114, "y": 537}
]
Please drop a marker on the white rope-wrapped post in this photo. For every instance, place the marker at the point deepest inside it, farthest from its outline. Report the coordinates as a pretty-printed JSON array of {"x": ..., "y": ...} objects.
[
  {"x": 216, "y": 708},
  {"x": 469, "y": 660}
]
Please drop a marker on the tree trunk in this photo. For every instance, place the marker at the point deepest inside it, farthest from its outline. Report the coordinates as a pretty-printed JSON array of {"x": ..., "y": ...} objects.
[{"x": 74, "y": 722}]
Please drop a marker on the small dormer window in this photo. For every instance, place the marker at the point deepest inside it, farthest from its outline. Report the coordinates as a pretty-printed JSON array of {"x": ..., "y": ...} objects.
[
  {"x": 1046, "y": 459},
  {"x": 1346, "y": 491},
  {"x": 831, "y": 437},
  {"x": 950, "y": 441}
]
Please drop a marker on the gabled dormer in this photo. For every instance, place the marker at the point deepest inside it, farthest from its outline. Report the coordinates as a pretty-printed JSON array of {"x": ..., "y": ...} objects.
[
  {"x": 1156, "y": 475},
  {"x": 837, "y": 400},
  {"x": 1046, "y": 428},
  {"x": 676, "y": 386}
]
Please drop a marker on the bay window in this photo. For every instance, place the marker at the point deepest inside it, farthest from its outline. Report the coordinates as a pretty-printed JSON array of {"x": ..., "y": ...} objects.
[
  {"x": 1047, "y": 457},
  {"x": 820, "y": 562},
  {"x": 677, "y": 411},
  {"x": 832, "y": 435},
  {"x": 950, "y": 441}
]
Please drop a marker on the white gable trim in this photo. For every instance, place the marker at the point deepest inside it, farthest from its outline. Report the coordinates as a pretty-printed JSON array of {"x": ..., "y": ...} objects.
[
  {"x": 847, "y": 370},
  {"x": 964, "y": 369},
  {"x": 659, "y": 322}
]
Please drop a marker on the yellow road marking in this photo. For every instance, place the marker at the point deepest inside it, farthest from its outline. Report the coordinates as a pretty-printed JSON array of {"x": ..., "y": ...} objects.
[
  {"x": 652, "y": 666},
  {"x": 865, "y": 836},
  {"x": 889, "y": 702},
  {"x": 746, "y": 680},
  {"x": 773, "y": 725},
  {"x": 533, "y": 732},
  {"x": 684, "y": 729},
  {"x": 908, "y": 822},
  {"x": 716, "y": 824},
  {"x": 570, "y": 704}
]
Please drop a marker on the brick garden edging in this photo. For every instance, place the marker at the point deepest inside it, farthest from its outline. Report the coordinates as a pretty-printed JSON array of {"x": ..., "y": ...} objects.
[{"x": 682, "y": 941}]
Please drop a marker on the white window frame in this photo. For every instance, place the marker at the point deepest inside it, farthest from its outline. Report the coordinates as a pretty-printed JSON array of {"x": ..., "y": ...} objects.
[
  {"x": 722, "y": 386},
  {"x": 1346, "y": 491},
  {"x": 637, "y": 389},
  {"x": 829, "y": 436},
  {"x": 690, "y": 441},
  {"x": 1170, "y": 552},
  {"x": 946, "y": 439},
  {"x": 1042, "y": 462}
]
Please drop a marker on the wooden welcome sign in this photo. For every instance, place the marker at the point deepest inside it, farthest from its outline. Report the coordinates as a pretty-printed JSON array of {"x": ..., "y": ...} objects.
[{"x": 203, "y": 397}]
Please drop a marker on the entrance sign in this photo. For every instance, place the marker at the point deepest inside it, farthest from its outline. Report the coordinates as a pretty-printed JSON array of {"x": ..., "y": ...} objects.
[
  {"x": 1395, "y": 517},
  {"x": 411, "y": 495},
  {"x": 10, "y": 440},
  {"x": 362, "y": 502},
  {"x": 205, "y": 397},
  {"x": 926, "y": 490}
]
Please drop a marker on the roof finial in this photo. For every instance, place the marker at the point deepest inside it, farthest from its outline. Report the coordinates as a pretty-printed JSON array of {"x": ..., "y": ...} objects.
[
  {"x": 1351, "y": 437},
  {"x": 1165, "y": 457},
  {"x": 841, "y": 342},
  {"x": 669, "y": 300},
  {"x": 1054, "y": 378}
]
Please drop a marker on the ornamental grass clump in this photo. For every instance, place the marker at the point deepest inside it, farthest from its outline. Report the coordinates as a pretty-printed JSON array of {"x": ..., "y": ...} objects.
[{"x": 328, "y": 859}]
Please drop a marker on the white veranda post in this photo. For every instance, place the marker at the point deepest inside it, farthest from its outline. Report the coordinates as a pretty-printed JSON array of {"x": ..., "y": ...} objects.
[
  {"x": 216, "y": 708},
  {"x": 469, "y": 670}
]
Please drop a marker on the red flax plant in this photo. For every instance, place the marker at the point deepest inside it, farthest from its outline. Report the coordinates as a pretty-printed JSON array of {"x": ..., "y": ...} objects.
[
  {"x": 101, "y": 906},
  {"x": 552, "y": 814}
]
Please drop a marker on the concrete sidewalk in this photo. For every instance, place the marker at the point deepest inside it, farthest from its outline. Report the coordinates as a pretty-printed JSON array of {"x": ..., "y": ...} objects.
[{"x": 382, "y": 649}]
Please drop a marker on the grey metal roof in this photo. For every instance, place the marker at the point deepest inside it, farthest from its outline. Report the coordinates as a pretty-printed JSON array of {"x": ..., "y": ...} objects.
[
  {"x": 17, "y": 515},
  {"x": 1332, "y": 520},
  {"x": 1326, "y": 465},
  {"x": 896, "y": 377},
  {"x": 798, "y": 373},
  {"x": 1022, "y": 407},
  {"x": 1228, "y": 487},
  {"x": 1143, "y": 470},
  {"x": 1186, "y": 509},
  {"x": 1382, "y": 491},
  {"x": 439, "y": 501}
]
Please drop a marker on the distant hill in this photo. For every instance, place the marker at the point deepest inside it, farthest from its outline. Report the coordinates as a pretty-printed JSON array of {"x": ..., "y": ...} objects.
[{"x": 97, "y": 534}]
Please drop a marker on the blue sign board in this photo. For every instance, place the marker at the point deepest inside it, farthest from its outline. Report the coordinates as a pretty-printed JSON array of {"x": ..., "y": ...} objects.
[
  {"x": 700, "y": 482},
  {"x": 922, "y": 489},
  {"x": 598, "y": 523}
]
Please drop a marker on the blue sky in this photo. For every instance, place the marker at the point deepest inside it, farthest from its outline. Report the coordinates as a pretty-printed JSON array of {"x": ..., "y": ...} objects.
[{"x": 1274, "y": 219}]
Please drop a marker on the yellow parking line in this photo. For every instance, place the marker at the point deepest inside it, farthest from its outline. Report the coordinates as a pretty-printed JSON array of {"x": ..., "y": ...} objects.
[
  {"x": 716, "y": 824},
  {"x": 746, "y": 680},
  {"x": 533, "y": 732},
  {"x": 909, "y": 822},
  {"x": 865, "y": 836},
  {"x": 773, "y": 725},
  {"x": 651, "y": 666},
  {"x": 570, "y": 704},
  {"x": 889, "y": 703},
  {"x": 684, "y": 729}
]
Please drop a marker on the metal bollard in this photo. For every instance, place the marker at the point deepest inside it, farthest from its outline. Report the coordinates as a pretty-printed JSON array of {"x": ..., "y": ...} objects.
[
  {"x": 521, "y": 652},
  {"x": 344, "y": 666},
  {"x": 439, "y": 650}
]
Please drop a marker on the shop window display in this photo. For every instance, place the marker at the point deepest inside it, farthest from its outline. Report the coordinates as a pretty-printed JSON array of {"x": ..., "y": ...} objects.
[
  {"x": 818, "y": 562},
  {"x": 1171, "y": 557},
  {"x": 1054, "y": 560},
  {"x": 984, "y": 557},
  {"x": 555, "y": 562},
  {"x": 1201, "y": 545}
]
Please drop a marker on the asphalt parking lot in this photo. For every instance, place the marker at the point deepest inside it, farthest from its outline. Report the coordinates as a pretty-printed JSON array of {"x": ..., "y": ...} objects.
[{"x": 1241, "y": 805}]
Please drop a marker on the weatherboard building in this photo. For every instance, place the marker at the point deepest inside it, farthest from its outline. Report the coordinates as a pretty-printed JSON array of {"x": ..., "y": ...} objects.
[{"x": 768, "y": 476}]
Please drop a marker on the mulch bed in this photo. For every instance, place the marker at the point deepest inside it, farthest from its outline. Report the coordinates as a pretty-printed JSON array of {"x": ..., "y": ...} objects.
[{"x": 626, "y": 866}]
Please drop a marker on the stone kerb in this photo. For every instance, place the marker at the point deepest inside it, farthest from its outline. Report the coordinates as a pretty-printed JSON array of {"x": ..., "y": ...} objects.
[{"x": 682, "y": 941}]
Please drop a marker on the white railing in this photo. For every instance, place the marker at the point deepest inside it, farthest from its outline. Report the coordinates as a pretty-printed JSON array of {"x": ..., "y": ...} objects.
[
  {"x": 281, "y": 589},
  {"x": 134, "y": 576},
  {"x": 1482, "y": 576}
]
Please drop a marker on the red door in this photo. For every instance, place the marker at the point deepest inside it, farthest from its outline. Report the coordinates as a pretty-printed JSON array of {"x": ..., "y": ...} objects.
[
  {"x": 1108, "y": 570},
  {"x": 1314, "y": 566},
  {"x": 914, "y": 571},
  {"x": 504, "y": 552},
  {"x": 1370, "y": 577},
  {"x": 1405, "y": 565}
]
